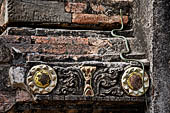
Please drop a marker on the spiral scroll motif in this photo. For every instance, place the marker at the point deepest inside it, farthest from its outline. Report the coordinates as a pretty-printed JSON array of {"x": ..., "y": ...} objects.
[{"x": 106, "y": 82}]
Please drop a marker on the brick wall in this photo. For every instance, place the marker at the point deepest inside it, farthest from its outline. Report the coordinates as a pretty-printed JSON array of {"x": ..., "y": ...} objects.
[{"x": 66, "y": 34}]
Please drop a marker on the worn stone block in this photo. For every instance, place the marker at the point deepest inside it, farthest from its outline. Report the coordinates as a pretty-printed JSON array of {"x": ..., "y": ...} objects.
[
  {"x": 16, "y": 75},
  {"x": 34, "y": 11}
]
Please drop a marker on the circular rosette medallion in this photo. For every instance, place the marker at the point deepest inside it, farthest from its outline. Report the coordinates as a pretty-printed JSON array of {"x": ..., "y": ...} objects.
[
  {"x": 133, "y": 81},
  {"x": 41, "y": 79}
]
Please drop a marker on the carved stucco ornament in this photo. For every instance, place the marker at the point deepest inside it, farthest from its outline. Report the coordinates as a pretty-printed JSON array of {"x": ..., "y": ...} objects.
[
  {"x": 134, "y": 83},
  {"x": 87, "y": 73},
  {"x": 41, "y": 79}
]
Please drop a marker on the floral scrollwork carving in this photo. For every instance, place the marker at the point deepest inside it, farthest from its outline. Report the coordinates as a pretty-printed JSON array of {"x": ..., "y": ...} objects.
[
  {"x": 70, "y": 81},
  {"x": 106, "y": 82}
]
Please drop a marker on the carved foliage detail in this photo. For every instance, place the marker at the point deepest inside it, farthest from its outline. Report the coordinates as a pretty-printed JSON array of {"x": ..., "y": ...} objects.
[
  {"x": 106, "y": 82},
  {"x": 70, "y": 81}
]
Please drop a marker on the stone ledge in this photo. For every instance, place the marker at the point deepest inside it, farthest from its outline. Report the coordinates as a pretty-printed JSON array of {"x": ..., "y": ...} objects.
[
  {"x": 26, "y": 31},
  {"x": 70, "y": 45}
]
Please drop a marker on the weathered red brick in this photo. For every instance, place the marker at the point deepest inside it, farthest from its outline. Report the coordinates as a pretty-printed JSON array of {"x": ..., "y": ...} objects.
[
  {"x": 17, "y": 39},
  {"x": 72, "y": 111},
  {"x": 70, "y": 45},
  {"x": 63, "y": 17},
  {"x": 75, "y": 7},
  {"x": 122, "y": 0},
  {"x": 79, "y": 7},
  {"x": 63, "y": 45},
  {"x": 7, "y": 100},
  {"x": 22, "y": 96},
  {"x": 96, "y": 19},
  {"x": 57, "y": 49},
  {"x": 5, "y": 52},
  {"x": 98, "y": 8},
  {"x": 60, "y": 40}
]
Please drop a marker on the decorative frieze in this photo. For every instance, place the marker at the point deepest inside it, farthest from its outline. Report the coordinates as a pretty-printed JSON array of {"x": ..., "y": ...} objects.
[{"x": 85, "y": 80}]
